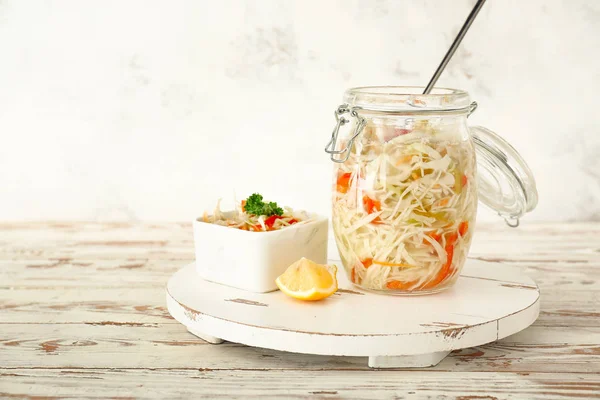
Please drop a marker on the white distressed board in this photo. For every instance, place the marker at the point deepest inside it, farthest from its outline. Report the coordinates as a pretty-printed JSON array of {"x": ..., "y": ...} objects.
[{"x": 488, "y": 302}]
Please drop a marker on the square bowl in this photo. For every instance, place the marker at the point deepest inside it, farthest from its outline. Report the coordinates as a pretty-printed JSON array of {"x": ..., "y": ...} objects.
[{"x": 253, "y": 260}]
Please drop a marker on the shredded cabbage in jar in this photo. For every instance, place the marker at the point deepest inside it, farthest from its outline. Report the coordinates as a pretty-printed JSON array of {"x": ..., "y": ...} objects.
[
  {"x": 240, "y": 219},
  {"x": 404, "y": 208}
]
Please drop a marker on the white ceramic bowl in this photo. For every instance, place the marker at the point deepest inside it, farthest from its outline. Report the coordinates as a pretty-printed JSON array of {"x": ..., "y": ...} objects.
[{"x": 253, "y": 260}]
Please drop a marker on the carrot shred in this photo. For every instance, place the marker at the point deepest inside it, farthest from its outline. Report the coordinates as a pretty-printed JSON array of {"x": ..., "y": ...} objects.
[
  {"x": 444, "y": 202},
  {"x": 434, "y": 235},
  {"x": 398, "y": 285},
  {"x": 404, "y": 160},
  {"x": 464, "y": 180},
  {"x": 463, "y": 228},
  {"x": 389, "y": 264},
  {"x": 367, "y": 262},
  {"x": 378, "y": 221},
  {"x": 256, "y": 228},
  {"x": 451, "y": 238},
  {"x": 394, "y": 285},
  {"x": 444, "y": 271}
]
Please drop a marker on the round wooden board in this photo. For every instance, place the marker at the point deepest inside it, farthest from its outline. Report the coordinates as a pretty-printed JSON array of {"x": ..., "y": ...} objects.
[{"x": 489, "y": 302}]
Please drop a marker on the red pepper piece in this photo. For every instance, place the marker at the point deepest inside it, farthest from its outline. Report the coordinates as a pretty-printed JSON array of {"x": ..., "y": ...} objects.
[
  {"x": 371, "y": 205},
  {"x": 271, "y": 220},
  {"x": 343, "y": 182}
]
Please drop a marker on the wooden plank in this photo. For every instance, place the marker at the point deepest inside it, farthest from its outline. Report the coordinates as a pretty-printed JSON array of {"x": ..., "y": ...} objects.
[
  {"x": 152, "y": 384},
  {"x": 130, "y": 272},
  {"x": 119, "y": 251},
  {"x": 535, "y": 239},
  {"x": 542, "y": 253},
  {"x": 577, "y": 308},
  {"x": 139, "y": 272},
  {"x": 536, "y": 349},
  {"x": 74, "y": 305},
  {"x": 97, "y": 240}
]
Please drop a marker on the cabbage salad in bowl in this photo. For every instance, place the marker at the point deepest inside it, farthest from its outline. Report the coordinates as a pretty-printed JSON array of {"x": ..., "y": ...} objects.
[
  {"x": 404, "y": 208},
  {"x": 256, "y": 215},
  {"x": 229, "y": 251}
]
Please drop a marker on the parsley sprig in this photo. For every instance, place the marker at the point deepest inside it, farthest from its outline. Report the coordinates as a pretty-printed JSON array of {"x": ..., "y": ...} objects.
[{"x": 255, "y": 205}]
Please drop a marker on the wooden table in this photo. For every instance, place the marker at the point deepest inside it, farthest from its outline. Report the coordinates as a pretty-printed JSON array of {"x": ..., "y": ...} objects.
[{"x": 82, "y": 315}]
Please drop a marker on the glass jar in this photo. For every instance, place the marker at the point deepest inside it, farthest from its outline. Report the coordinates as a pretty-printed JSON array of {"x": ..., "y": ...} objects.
[{"x": 406, "y": 186}]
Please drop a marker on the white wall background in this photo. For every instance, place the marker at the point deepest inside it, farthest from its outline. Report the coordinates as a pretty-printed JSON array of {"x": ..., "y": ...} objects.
[{"x": 150, "y": 110}]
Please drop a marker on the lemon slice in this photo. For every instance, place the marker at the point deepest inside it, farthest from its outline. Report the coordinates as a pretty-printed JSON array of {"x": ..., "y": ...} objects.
[{"x": 307, "y": 280}]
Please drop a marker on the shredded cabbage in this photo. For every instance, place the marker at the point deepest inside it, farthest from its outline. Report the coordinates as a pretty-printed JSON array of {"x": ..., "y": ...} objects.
[
  {"x": 239, "y": 219},
  {"x": 403, "y": 220}
]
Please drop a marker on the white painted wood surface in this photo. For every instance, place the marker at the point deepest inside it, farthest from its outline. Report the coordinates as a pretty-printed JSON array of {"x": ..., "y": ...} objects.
[
  {"x": 486, "y": 304},
  {"x": 82, "y": 315}
]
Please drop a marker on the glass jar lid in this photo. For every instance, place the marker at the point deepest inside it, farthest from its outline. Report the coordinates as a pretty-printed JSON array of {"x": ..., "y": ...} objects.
[
  {"x": 504, "y": 181},
  {"x": 407, "y": 99}
]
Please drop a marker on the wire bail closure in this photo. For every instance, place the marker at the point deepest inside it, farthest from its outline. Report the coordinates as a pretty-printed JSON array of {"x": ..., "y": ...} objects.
[
  {"x": 341, "y": 121},
  {"x": 472, "y": 108}
]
